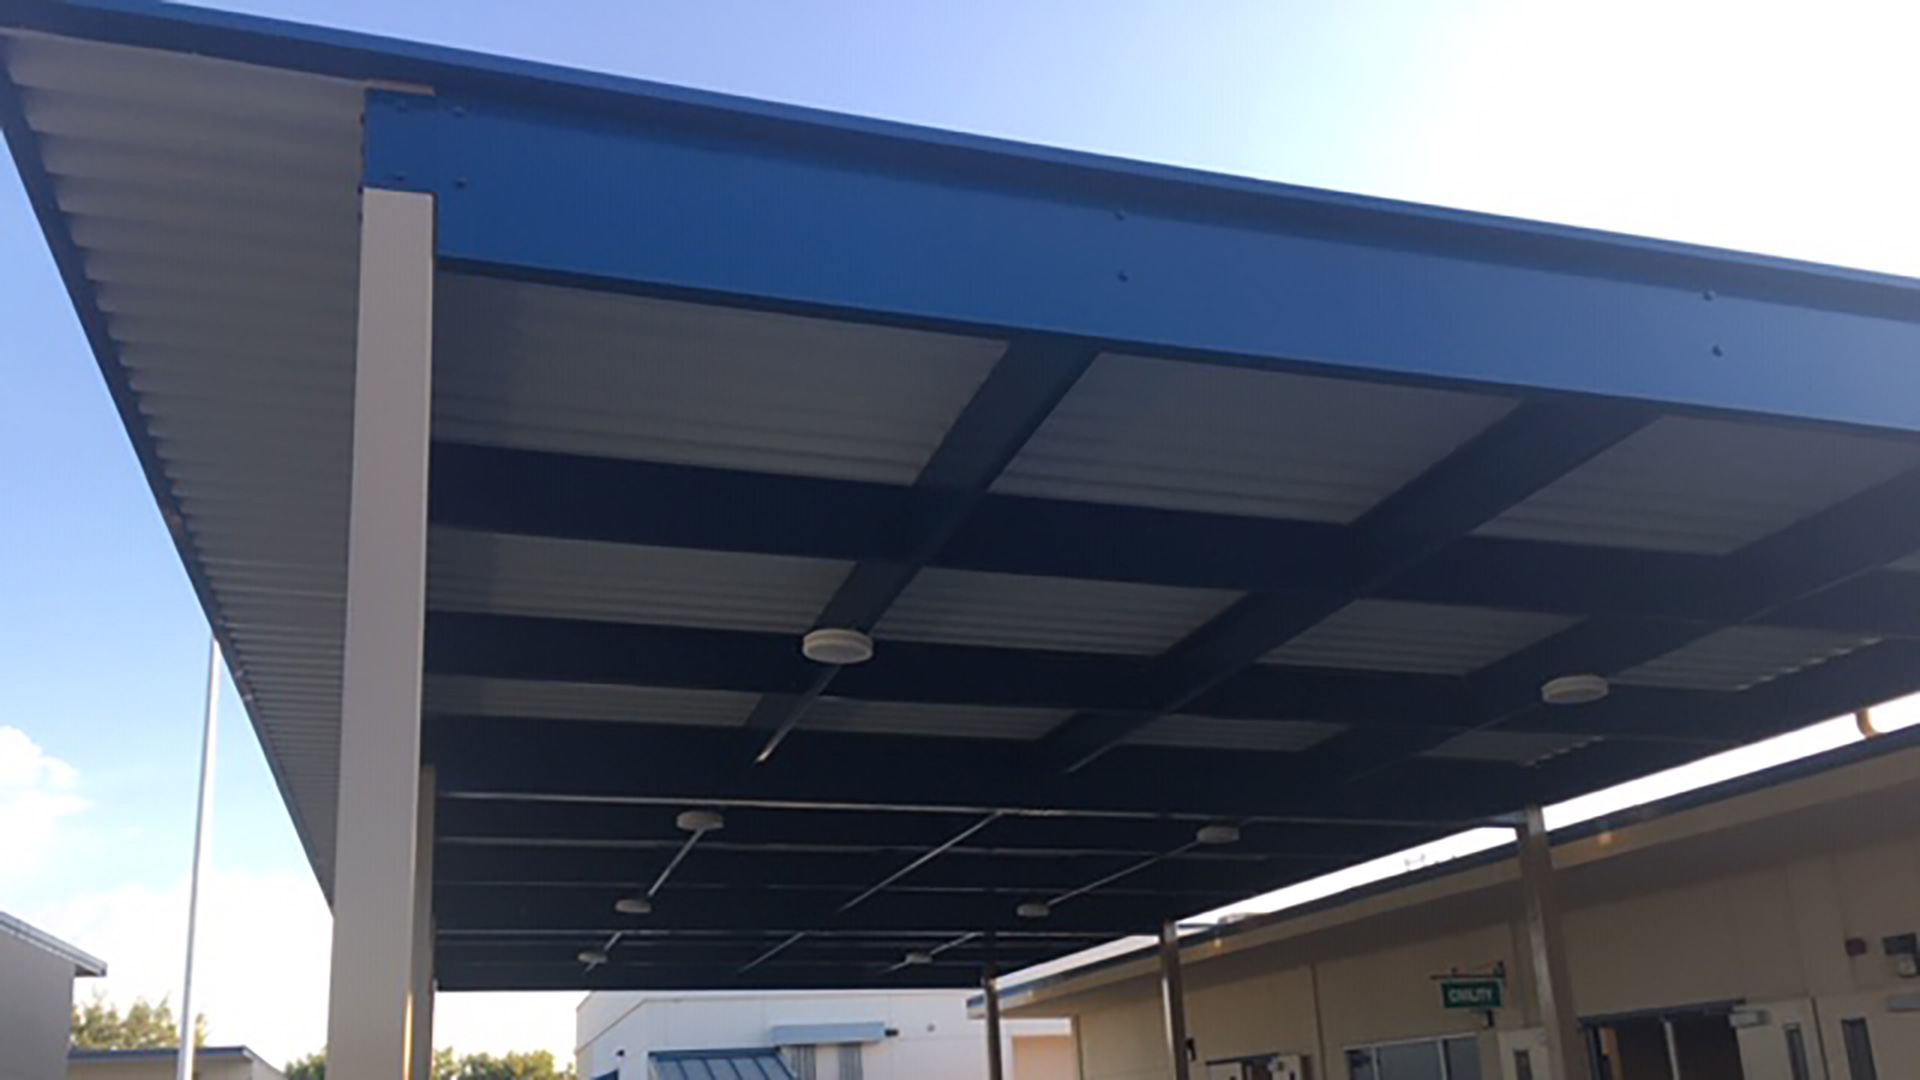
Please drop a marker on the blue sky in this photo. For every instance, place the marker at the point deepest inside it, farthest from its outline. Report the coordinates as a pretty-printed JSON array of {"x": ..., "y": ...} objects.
[{"x": 1718, "y": 123}]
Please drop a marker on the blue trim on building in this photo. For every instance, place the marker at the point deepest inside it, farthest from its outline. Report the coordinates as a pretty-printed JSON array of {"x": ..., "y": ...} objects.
[
  {"x": 628, "y": 181},
  {"x": 599, "y": 201},
  {"x": 162, "y": 1054}
]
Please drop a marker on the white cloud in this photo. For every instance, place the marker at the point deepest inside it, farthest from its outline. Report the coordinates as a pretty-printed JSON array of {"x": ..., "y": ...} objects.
[
  {"x": 37, "y": 792},
  {"x": 262, "y": 966}
]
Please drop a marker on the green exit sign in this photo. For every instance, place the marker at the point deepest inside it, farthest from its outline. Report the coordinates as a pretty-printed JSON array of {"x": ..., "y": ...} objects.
[{"x": 1473, "y": 993}]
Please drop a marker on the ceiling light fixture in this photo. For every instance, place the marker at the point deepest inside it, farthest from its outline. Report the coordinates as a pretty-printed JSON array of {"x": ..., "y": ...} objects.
[
  {"x": 1218, "y": 834},
  {"x": 633, "y": 905},
  {"x": 1574, "y": 690},
  {"x": 592, "y": 957},
  {"x": 919, "y": 958},
  {"x": 700, "y": 821},
  {"x": 1034, "y": 909},
  {"x": 840, "y": 647}
]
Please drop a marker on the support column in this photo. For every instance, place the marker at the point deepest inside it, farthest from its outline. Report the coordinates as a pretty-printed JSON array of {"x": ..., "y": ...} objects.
[
  {"x": 424, "y": 983},
  {"x": 990, "y": 994},
  {"x": 1567, "y": 1058},
  {"x": 368, "y": 1008},
  {"x": 1173, "y": 994}
]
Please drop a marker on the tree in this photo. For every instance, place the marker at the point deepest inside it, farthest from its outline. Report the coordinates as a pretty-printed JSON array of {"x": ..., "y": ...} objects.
[
  {"x": 534, "y": 1065},
  {"x": 531, "y": 1065},
  {"x": 99, "y": 1025}
]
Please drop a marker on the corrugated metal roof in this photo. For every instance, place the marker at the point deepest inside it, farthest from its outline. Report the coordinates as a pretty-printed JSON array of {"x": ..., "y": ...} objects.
[
  {"x": 85, "y": 964},
  {"x": 1397, "y": 635},
  {"x": 947, "y": 721},
  {"x": 1704, "y": 486},
  {"x": 754, "y": 1064},
  {"x": 1742, "y": 656},
  {"x": 216, "y": 207},
  {"x": 546, "y": 368},
  {"x": 1216, "y": 733},
  {"x": 973, "y": 608},
  {"x": 1233, "y": 440},
  {"x": 581, "y": 579},
  {"x": 462, "y": 695},
  {"x": 1512, "y": 747}
]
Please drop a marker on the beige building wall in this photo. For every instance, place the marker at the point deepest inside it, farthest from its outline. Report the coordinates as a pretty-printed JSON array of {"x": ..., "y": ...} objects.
[
  {"x": 1769, "y": 932},
  {"x": 36, "y": 1008},
  {"x": 161, "y": 1067},
  {"x": 1045, "y": 1057}
]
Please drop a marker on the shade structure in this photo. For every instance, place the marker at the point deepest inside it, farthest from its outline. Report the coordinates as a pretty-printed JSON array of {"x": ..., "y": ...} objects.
[{"x": 1168, "y": 500}]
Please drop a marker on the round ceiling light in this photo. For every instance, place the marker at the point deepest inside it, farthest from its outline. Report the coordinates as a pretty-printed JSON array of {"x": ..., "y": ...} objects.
[
  {"x": 1034, "y": 909},
  {"x": 592, "y": 957},
  {"x": 837, "y": 646},
  {"x": 700, "y": 821},
  {"x": 1574, "y": 690},
  {"x": 633, "y": 905},
  {"x": 1218, "y": 834},
  {"x": 918, "y": 958}
]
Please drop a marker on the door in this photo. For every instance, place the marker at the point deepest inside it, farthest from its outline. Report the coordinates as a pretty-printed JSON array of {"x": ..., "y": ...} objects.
[
  {"x": 1864, "y": 1041},
  {"x": 1786, "y": 1046},
  {"x": 1523, "y": 1055}
]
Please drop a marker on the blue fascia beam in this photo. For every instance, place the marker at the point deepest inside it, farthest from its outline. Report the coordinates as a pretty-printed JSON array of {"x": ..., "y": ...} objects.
[{"x": 1134, "y": 259}]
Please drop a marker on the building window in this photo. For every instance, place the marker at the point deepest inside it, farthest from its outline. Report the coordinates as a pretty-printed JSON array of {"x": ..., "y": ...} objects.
[
  {"x": 1859, "y": 1049},
  {"x": 801, "y": 1060},
  {"x": 1797, "y": 1054},
  {"x": 850, "y": 1063},
  {"x": 1456, "y": 1058}
]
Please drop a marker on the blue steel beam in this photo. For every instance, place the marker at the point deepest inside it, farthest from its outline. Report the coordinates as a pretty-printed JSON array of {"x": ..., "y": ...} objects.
[
  {"x": 938, "y": 234},
  {"x": 532, "y": 758},
  {"x": 1832, "y": 549},
  {"x": 1015, "y": 399},
  {"x": 564, "y": 496},
  {"x": 1526, "y": 450},
  {"x": 521, "y": 647}
]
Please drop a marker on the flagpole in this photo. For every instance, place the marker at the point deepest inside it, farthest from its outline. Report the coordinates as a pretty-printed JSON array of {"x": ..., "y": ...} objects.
[{"x": 202, "y": 850}]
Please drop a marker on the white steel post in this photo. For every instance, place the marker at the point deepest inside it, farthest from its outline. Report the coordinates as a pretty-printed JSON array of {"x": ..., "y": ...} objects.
[
  {"x": 1553, "y": 983},
  {"x": 202, "y": 854},
  {"x": 423, "y": 943},
  {"x": 1173, "y": 996},
  {"x": 369, "y": 1001}
]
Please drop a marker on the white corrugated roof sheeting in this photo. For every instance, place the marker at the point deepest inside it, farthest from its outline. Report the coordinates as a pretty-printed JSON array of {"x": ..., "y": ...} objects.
[
  {"x": 539, "y": 367},
  {"x": 1703, "y": 486},
  {"x": 216, "y": 206},
  {"x": 1181, "y": 436}
]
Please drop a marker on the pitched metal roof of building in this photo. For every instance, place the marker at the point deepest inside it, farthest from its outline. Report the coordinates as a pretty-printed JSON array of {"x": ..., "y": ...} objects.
[
  {"x": 752, "y": 1064},
  {"x": 84, "y": 964}
]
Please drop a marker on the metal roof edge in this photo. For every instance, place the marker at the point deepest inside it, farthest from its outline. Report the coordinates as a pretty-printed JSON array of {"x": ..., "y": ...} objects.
[
  {"x": 1804, "y": 768},
  {"x": 85, "y": 964},
  {"x": 164, "y": 1053},
  {"x": 23, "y": 144},
  {"x": 367, "y": 57}
]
